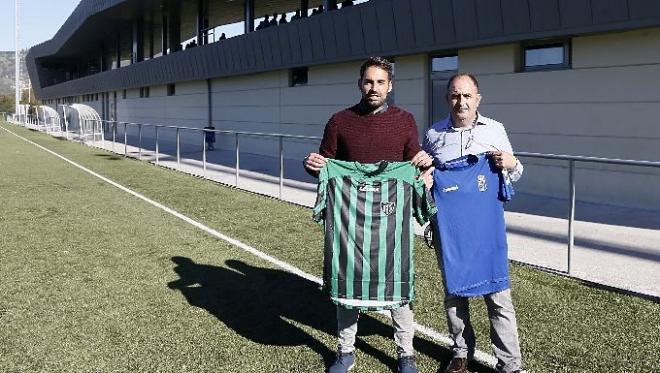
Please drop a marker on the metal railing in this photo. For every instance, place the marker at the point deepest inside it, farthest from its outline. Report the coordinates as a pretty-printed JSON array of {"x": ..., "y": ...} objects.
[
  {"x": 238, "y": 135},
  {"x": 572, "y": 160}
]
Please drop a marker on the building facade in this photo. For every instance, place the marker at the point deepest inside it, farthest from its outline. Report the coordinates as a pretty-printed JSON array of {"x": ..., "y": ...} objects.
[{"x": 573, "y": 77}]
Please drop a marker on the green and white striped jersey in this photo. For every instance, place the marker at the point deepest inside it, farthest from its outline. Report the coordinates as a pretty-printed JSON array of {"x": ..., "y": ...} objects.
[{"x": 369, "y": 239}]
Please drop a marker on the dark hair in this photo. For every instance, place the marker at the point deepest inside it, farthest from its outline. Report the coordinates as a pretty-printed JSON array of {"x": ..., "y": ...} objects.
[
  {"x": 378, "y": 62},
  {"x": 460, "y": 75}
]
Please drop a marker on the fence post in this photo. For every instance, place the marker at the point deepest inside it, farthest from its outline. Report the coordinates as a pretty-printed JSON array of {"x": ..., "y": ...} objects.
[
  {"x": 140, "y": 141},
  {"x": 204, "y": 151},
  {"x": 125, "y": 141},
  {"x": 157, "y": 147},
  {"x": 571, "y": 214},
  {"x": 178, "y": 149},
  {"x": 238, "y": 161},
  {"x": 281, "y": 166},
  {"x": 114, "y": 135}
]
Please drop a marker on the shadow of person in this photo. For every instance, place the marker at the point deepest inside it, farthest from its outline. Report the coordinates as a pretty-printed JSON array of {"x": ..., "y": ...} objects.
[{"x": 263, "y": 304}]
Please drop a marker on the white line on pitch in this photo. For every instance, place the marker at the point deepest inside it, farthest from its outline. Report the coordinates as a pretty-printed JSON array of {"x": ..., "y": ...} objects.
[{"x": 480, "y": 356}]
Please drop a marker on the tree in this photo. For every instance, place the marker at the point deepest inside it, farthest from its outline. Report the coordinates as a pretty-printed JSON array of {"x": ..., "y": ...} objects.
[{"x": 7, "y": 103}]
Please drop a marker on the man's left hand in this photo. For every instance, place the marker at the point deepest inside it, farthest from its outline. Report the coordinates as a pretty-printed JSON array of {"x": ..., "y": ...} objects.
[
  {"x": 422, "y": 160},
  {"x": 503, "y": 160}
]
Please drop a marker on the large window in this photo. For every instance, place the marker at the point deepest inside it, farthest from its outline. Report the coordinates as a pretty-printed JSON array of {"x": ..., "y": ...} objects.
[
  {"x": 445, "y": 63},
  {"x": 546, "y": 55}
]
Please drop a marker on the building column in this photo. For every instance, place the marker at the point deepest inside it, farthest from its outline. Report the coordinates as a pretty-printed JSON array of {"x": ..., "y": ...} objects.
[
  {"x": 249, "y": 16},
  {"x": 202, "y": 22},
  {"x": 118, "y": 48},
  {"x": 304, "y": 8},
  {"x": 329, "y": 5},
  {"x": 174, "y": 26},
  {"x": 137, "y": 38}
]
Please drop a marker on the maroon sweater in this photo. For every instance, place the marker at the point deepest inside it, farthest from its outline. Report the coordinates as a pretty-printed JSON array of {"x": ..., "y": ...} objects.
[{"x": 366, "y": 138}]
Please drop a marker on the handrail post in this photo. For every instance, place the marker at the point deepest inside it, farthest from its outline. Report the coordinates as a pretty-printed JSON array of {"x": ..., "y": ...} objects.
[
  {"x": 157, "y": 147},
  {"x": 571, "y": 215},
  {"x": 204, "y": 152},
  {"x": 281, "y": 166},
  {"x": 140, "y": 141},
  {"x": 102, "y": 129},
  {"x": 178, "y": 149},
  {"x": 125, "y": 141},
  {"x": 238, "y": 162}
]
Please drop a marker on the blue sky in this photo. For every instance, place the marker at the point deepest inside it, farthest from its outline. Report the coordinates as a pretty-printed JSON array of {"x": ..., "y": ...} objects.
[{"x": 40, "y": 20}]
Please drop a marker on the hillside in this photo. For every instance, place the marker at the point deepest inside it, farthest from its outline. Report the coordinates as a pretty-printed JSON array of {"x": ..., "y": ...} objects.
[{"x": 7, "y": 72}]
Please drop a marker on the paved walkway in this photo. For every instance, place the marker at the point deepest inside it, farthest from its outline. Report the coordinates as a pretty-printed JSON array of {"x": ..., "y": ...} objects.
[{"x": 614, "y": 246}]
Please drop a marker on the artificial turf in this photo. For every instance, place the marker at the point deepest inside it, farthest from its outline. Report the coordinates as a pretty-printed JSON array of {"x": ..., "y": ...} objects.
[{"x": 95, "y": 280}]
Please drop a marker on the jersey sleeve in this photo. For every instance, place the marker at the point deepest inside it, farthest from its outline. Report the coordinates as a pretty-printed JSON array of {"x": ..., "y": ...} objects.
[
  {"x": 423, "y": 205},
  {"x": 321, "y": 192}
]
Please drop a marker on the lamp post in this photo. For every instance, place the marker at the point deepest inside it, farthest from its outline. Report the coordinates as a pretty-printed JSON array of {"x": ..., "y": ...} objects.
[{"x": 17, "y": 68}]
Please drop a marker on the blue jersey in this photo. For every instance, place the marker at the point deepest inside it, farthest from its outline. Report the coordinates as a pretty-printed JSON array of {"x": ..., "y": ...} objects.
[{"x": 469, "y": 193}]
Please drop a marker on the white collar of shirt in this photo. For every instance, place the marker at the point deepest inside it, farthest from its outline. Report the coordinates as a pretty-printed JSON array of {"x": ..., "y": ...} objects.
[{"x": 449, "y": 126}]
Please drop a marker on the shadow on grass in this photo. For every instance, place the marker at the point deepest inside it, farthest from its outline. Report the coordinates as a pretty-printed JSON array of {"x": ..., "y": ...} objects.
[
  {"x": 111, "y": 157},
  {"x": 258, "y": 302}
]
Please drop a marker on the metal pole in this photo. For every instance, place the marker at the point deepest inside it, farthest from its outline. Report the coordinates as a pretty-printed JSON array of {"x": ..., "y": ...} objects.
[
  {"x": 204, "y": 152},
  {"x": 157, "y": 150},
  {"x": 102, "y": 129},
  {"x": 17, "y": 62},
  {"x": 281, "y": 166},
  {"x": 114, "y": 136},
  {"x": 571, "y": 214},
  {"x": 125, "y": 142},
  {"x": 238, "y": 161},
  {"x": 140, "y": 141},
  {"x": 178, "y": 149}
]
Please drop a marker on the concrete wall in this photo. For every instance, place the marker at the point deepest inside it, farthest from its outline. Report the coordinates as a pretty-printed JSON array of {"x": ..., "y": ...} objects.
[
  {"x": 266, "y": 103},
  {"x": 606, "y": 105}
]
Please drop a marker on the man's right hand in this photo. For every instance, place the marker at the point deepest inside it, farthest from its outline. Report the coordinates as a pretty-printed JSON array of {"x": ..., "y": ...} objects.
[{"x": 314, "y": 162}]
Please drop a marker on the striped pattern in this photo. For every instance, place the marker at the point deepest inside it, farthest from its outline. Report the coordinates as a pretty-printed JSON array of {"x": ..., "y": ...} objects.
[{"x": 369, "y": 247}]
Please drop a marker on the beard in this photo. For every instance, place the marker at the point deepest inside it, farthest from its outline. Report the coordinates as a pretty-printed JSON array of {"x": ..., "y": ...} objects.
[{"x": 374, "y": 102}]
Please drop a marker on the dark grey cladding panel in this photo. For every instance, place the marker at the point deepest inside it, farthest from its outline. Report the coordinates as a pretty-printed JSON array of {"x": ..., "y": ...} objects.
[
  {"x": 284, "y": 45},
  {"x": 489, "y": 17},
  {"x": 606, "y": 11},
  {"x": 276, "y": 50},
  {"x": 370, "y": 28},
  {"x": 328, "y": 37},
  {"x": 575, "y": 13},
  {"x": 387, "y": 26},
  {"x": 263, "y": 52},
  {"x": 516, "y": 15},
  {"x": 544, "y": 14},
  {"x": 404, "y": 25},
  {"x": 465, "y": 20},
  {"x": 295, "y": 43},
  {"x": 306, "y": 43},
  {"x": 355, "y": 33},
  {"x": 423, "y": 23},
  {"x": 643, "y": 9},
  {"x": 443, "y": 21},
  {"x": 318, "y": 48},
  {"x": 342, "y": 35}
]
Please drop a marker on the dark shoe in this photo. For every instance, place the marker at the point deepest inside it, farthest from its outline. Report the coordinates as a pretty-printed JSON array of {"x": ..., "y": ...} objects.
[
  {"x": 407, "y": 364},
  {"x": 457, "y": 365},
  {"x": 343, "y": 363}
]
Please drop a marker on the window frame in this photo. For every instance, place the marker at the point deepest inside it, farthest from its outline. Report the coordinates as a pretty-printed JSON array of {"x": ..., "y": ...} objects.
[
  {"x": 565, "y": 44},
  {"x": 292, "y": 74}
]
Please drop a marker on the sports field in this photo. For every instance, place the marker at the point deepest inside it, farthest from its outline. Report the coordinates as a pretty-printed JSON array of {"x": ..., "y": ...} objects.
[{"x": 93, "y": 279}]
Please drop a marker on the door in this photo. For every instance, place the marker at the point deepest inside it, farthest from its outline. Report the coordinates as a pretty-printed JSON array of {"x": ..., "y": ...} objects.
[{"x": 442, "y": 69}]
